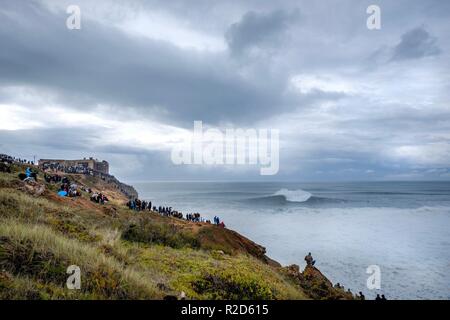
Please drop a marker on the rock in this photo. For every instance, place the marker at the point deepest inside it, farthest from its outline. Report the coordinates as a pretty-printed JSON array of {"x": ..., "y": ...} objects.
[
  {"x": 293, "y": 270},
  {"x": 32, "y": 187},
  {"x": 317, "y": 286},
  {"x": 110, "y": 211},
  {"x": 313, "y": 274}
]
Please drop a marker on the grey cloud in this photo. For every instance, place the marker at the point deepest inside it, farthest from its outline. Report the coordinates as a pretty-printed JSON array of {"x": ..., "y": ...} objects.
[
  {"x": 66, "y": 139},
  {"x": 416, "y": 44},
  {"x": 98, "y": 65},
  {"x": 259, "y": 29}
]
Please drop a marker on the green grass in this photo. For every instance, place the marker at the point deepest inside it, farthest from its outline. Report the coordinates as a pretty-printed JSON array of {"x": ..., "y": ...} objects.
[{"x": 190, "y": 270}]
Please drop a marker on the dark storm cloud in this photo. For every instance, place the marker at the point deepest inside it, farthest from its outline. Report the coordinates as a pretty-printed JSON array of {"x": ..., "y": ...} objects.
[
  {"x": 416, "y": 44},
  {"x": 98, "y": 65},
  {"x": 259, "y": 30}
]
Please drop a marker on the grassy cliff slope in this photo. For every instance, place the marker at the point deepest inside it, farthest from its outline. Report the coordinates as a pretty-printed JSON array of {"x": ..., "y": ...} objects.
[{"x": 129, "y": 255}]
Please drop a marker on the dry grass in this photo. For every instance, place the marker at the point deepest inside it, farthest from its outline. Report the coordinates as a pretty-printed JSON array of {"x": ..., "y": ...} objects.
[{"x": 35, "y": 246}]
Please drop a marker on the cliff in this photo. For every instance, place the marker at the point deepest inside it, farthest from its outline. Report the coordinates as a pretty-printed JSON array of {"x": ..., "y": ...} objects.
[
  {"x": 100, "y": 180},
  {"x": 124, "y": 254}
]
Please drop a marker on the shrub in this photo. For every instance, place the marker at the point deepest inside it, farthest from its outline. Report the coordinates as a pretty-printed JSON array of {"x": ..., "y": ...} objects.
[
  {"x": 232, "y": 286},
  {"x": 19, "y": 257},
  {"x": 72, "y": 229},
  {"x": 149, "y": 232}
]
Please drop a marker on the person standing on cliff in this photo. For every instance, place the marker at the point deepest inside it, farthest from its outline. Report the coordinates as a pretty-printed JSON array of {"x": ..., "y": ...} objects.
[{"x": 309, "y": 260}]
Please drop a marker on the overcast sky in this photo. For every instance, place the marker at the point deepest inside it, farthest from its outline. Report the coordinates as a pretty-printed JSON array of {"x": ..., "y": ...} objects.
[{"x": 350, "y": 103}]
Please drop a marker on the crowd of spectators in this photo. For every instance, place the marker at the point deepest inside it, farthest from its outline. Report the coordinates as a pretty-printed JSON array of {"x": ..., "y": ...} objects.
[{"x": 142, "y": 205}]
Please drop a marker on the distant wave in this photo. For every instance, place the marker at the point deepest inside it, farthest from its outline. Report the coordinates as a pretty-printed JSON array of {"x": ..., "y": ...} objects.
[{"x": 294, "y": 195}]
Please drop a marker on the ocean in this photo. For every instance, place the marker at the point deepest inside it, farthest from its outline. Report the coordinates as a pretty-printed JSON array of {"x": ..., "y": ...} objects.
[{"x": 402, "y": 227}]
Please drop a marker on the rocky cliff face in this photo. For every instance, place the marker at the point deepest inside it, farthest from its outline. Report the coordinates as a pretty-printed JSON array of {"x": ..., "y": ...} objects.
[
  {"x": 315, "y": 284},
  {"x": 129, "y": 191}
]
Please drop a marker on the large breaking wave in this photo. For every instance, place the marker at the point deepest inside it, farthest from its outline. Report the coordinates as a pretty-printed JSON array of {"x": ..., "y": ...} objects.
[{"x": 294, "y": 195}]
